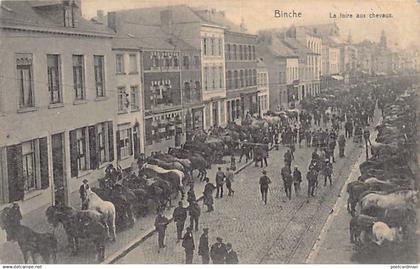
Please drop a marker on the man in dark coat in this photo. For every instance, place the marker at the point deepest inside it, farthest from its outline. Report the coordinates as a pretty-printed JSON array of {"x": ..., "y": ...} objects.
[
  {"x": 188, "y": 245},
  {"x": 203, "y": 247},
  {"x": 287, "y": 181},
  {"x": 208, "y": 195},
  {"x": 194, "y": 210},
  {"x": 264, "y": 182},
  {"x": 220, "y": 180},
  {"x": 297, "y": 179},
  {"x": 229, "y": 179},
  {"x": 288, "y": 158},
  {"x": 160, "y": 225},
  {"x": 328, "y": 170},
  {"x": 341, "y": 145},
  {"x": 83, "y": 193},
  {"x": 231, "y": 256},
  {"x": 218, "y": 251},
  {"x": 179, "y": 216}
]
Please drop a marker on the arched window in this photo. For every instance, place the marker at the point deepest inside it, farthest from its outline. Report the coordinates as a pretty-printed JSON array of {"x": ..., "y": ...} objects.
[
  {"x": 234, "y": 52},
  {"x": 241, "y": 78},
  {"x": 249, "y": 53},
  {"x": 228, "y": 52},
  {"x": 240, "y": 53}
]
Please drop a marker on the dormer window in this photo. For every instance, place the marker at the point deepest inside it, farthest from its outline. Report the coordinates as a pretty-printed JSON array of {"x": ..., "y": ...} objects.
[{"x": 69, "y": 19}]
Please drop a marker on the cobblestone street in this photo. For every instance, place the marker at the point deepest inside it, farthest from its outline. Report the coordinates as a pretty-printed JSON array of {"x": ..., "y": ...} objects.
[{"x": 281, "y": 232}]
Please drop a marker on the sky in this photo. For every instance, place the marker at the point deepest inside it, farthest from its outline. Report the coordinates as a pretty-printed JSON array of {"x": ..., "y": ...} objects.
[{"x": 402, "y": 29}]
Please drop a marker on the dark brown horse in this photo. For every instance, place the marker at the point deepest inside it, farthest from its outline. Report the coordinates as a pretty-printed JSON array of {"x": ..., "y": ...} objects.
[
  {"x": 29, "y": 241},
  {"x": 84, "y": 224}
]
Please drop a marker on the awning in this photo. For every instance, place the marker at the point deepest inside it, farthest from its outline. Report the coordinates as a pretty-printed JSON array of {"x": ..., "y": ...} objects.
[{"x": 337, "y": 77}]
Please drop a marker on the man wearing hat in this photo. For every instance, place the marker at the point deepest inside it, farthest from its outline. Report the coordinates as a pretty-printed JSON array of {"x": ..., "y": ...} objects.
[
  {"x": 179, "y": 216},
  {"x": 264, "y": 182},
  {"x": 218, "y": 251},
  {"x": 203, "y": 247},
  {"x": 83, "y": 193},
  {"x": 188, "y": 245},
  {"x": 160, "y": 225},
  {"x": 208, "y": 194},
  {"x": 195, "y": 212},
  {"x": 231, "y": 256},
  {"x": 220, "y": 180},
  {"x": 328, "y": 170}
]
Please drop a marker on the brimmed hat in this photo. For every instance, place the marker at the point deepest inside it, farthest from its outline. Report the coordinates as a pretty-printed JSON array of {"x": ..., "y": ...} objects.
[
  {"x": 219, "y": 239},
  {"x": 264, "y": 172},
  {"x": 205, "y": 229},
  {"x": 85, "y": 180}
]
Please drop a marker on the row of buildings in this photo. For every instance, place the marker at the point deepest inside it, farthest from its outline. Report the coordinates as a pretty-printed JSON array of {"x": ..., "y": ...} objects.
[{"x": 78, "y": 94}]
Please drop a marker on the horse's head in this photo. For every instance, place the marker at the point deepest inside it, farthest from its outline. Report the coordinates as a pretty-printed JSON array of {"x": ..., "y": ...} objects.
[
  {"x": 56, "y": 214},
  {"x": 10, "y": 216}
]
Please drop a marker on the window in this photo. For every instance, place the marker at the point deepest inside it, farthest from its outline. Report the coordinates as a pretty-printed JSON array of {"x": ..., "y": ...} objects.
[
  {"x": 254, "y": 77},
  {"x": 186, "y": 62},
  {"x": 249, "y": 53},
  {"x": 69, "y": 20},
  {"x": 29, "y": 166},
  {"x": 206, "y": 74},
  {"x": 229, "y": 79},
  {"x": 213, "y": 77},
  {"x": 212, "y": 46},
  {"x": 81, "y": 149},
  {"x": 122, "y": 100},
  {"x": 134, "y": 94},
  {"x": 220, "y": 50},
  {"x": 246, "y": 74},
  {"x": 205, "y": 46},
  {"x": 124, "y": 143},
  {"x": 241, "y": 79},
  {"x": 220, "y": 77},
  {"x": 24, "y": 80},
  {"x": 236, "y": 79},
  {"x": 133, "y": 63},
  {"x": 167, "y": 61},
  {"x": 155, "y": 61},
  {"x": 197, "y": 61},
  {"x": 78, "y": 77},
  {"x": 245, "y": 53},
  {"x": 99, "y": 76},
  {"x": 120, "y": 63},
  {"x": 228, "y": 52},
  {"x": 176, "y": 62},
  {"x": 234, "y": 52},
  {"x": 53, "y": 70},
  {"x": 240, "y": 53}
]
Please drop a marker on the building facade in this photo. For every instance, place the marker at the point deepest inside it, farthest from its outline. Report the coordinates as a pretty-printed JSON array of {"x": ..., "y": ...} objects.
[
  {"x": 262, "y": 87},
  {"x": 57, "y": 103}
]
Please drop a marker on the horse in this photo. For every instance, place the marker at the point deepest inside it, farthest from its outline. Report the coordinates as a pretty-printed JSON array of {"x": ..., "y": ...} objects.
[
  {"x": 123, "y": 200},
  {"x": 29, "y": 241},
  {"x": 382, "y": 232},
  {"x": 104, "y": 207},
  {"x": 358, "y": 224},
  {"x": 198, "y": 162},
  {"x": 85, "y": 224},
  {"x": 175, "y": 177},
  {"x": 390, "y": 200},
  {"x": 166, "y": 164}
]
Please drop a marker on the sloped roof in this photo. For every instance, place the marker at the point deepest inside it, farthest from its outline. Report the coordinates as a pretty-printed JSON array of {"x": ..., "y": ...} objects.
[
  {"x": 324, "y": 29},
  {"x": 25, "y": 14},
  {"x": 131, "y": 35},
  {"x": 298, "y": 47},
  {"x": 151, "y": 16},
  {"x": 219, "y": 18}
]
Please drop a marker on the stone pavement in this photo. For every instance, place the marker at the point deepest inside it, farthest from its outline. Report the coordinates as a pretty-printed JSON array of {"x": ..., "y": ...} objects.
[{"x": 273, "y": 233}]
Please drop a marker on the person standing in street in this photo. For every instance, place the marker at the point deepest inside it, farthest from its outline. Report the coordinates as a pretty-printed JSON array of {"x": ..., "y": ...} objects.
[
  {"x": 220, "y": 180},
  {"x": 328, "y": 170},
  {"x": 297, "y": 179},
  {"x": 179, "y": 216},
  {"x": 366, "y": 136},
  {"x": 203, "y": 247},
  {"x": 265, "y": 181},
  {"x": 287, "y": 181},
  {"x": 191, "y": 194},
  {"x": 229, "y": 180},
  {"x": 83, "y": 193},
  {"x": 208, "y": 194},
  {"x": 188, "y": 245},
  {"x": 218, "y": 251},
  {"x": 288, "y": 158},
  {"x": 231, "y": 255},
  {"x": 161, "y": 222},
  {"x": 195, "y": 211}
]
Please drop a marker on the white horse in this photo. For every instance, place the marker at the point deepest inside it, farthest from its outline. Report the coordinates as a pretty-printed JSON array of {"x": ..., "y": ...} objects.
[
  {"x": 381, "y": 232},
  {"x": 179, "y": 174},
  {"x": 391, "y": 200},
  {"x": 106, "y": 208}
]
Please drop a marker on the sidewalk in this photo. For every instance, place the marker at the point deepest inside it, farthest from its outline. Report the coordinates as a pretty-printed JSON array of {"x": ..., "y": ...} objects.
[{"x": 142, "y": 229}]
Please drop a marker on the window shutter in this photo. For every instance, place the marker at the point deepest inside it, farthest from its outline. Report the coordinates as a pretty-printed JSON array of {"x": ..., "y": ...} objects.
[
  {"x": 43, "y": 153},
  {"x": 130, "y": 137},
  {"x": 73, "y": 154},
  {"x": 118, "y": 146},
  {"x": 110, "y": 141},
  {"x": 94, "y": 162},
  {"x": 14, "y": 173}
]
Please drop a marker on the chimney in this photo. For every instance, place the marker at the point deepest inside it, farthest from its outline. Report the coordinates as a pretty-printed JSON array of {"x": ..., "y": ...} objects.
[
  {"x": 113, "y": 22},
  {"x": 166, "y": 18}
]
